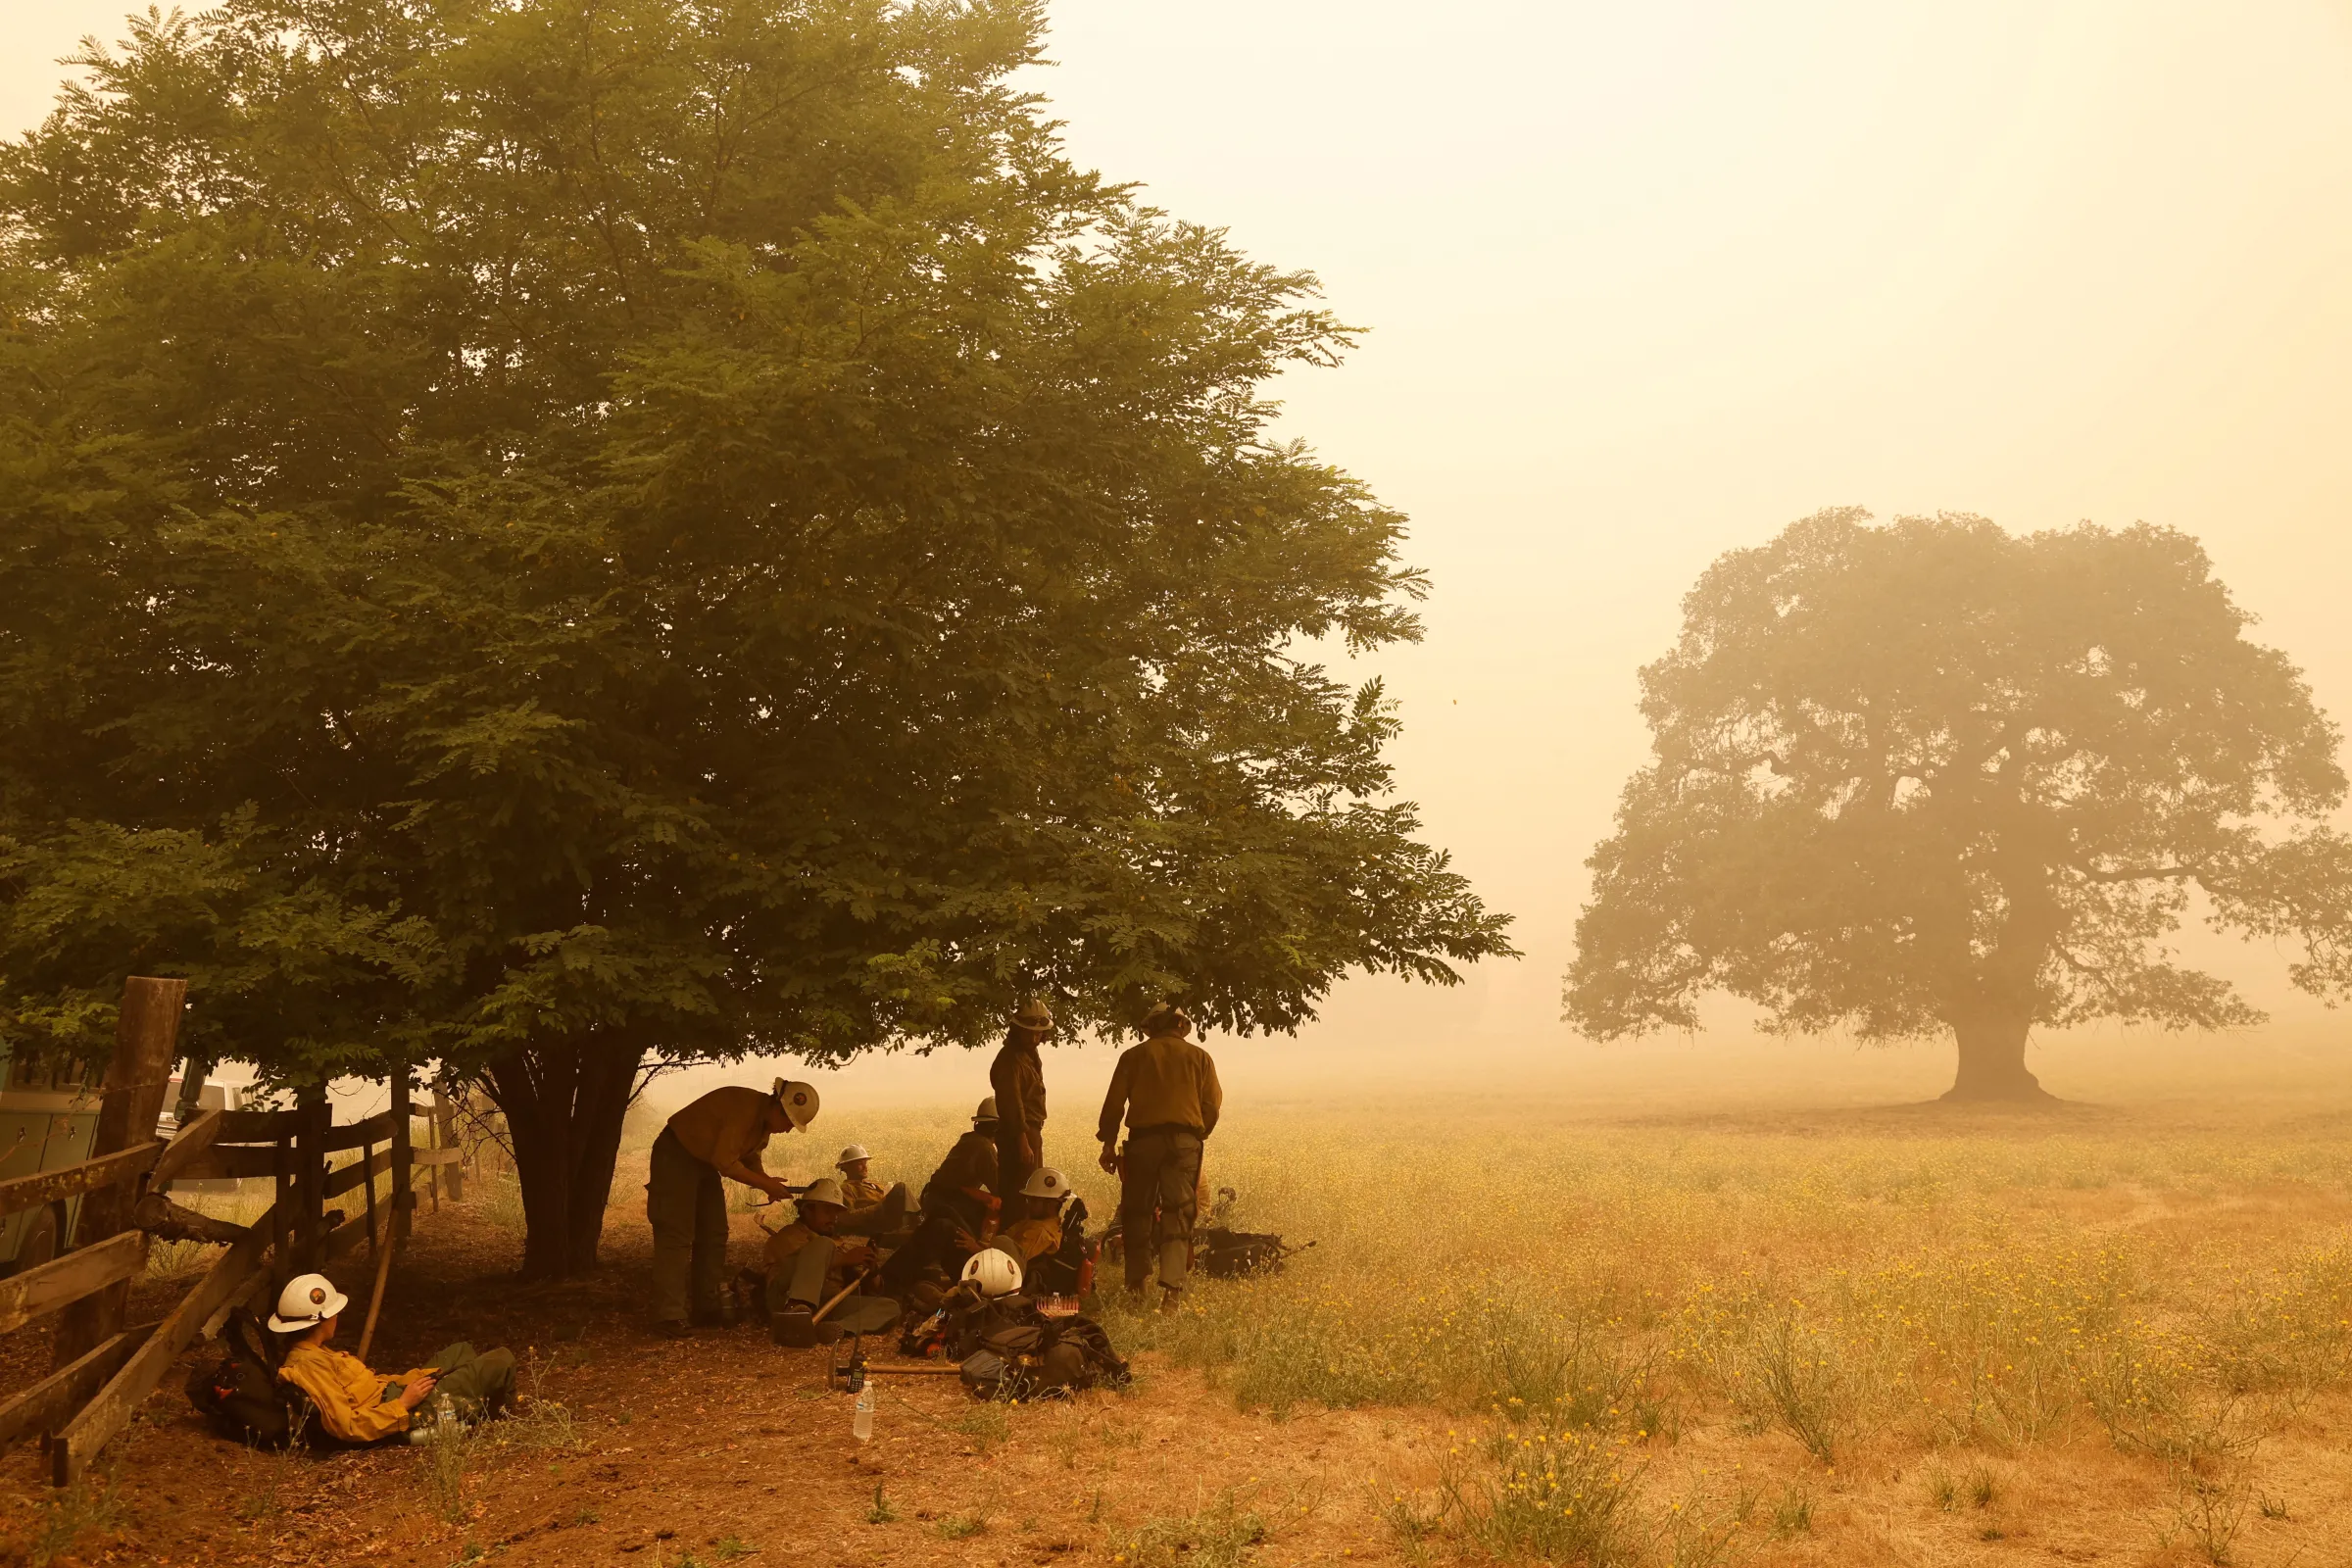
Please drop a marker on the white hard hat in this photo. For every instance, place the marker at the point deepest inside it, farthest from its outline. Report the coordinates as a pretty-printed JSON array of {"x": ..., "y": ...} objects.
[
  {"x": 824, "y": 1189},
  {"x": 1034, "y": 1014},
  {"x": 799, "y": 1101},
  {"x": 987, "y": 1110},
  {"x": 308, "y": 1300},
  {"x": 852, "y": 1155},
  {"x": 1045, "y": 1182},
  {"x": 996, "y": 1273}
]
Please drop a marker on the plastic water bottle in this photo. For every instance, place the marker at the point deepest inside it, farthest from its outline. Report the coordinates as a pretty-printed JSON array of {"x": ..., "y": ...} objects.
[
  {"x": 862, "y": 1423},
  {"x": 445, "y": 1422}
]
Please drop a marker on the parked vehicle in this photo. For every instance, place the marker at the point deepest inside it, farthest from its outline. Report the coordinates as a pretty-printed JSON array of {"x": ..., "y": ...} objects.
[{"x": 48, "y": 1115}]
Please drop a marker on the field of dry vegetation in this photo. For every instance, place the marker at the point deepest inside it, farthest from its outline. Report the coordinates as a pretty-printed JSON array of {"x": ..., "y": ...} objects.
[{"x": 1906, "y": 1334}]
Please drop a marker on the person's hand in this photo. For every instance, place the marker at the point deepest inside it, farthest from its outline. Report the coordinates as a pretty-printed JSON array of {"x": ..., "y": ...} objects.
[
  {"x": 1110, "y": 1160},
  {"x": 419, "y": 1390},
  {"x": 777, "y": 1189},
  {"x": 858, "y": 1255},
  {"x": 1030, "y": 1155}
]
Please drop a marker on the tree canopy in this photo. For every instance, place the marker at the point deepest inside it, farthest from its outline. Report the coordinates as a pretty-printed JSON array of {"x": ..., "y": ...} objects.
[
  {"x": 1934, "y": 776},
  {"x": 613, "y": 527}
]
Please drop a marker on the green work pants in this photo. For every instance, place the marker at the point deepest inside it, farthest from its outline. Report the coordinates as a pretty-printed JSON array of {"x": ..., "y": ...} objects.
[
  {"x": 688, "y": 1210},
  {"x": 478, "y": 1385},
  {"x": 1159, "y": 1191},
  {"x": 800, "y": 1279}
]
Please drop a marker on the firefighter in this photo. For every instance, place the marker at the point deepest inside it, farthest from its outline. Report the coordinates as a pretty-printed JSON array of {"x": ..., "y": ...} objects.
[
  {"x": 721, "y": 1134},
  {"x": 1018, "y": 1077},
  {"x": 358, "y": 1405},
  {"x": 1166, "y": 1091}
]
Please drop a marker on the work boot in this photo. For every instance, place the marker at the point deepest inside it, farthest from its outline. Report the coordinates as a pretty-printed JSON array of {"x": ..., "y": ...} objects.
[{"x": 1171, "y": 1298}]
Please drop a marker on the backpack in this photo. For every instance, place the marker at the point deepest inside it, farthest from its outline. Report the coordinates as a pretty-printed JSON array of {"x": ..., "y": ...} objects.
[
  {"x": 240, "y": 1396},
  {"x": 1011, "y": 1350},
  {"x": 1231, "y": 1255}
]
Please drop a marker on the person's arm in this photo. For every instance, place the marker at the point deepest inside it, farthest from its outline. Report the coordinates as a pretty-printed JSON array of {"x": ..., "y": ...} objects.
[
  {"x": 747, "y": 1170},
  {"x": 742, "y": 1164},
  {"x": 1212, "y": 1094},
  {"x": 1114, "y": 1107}
]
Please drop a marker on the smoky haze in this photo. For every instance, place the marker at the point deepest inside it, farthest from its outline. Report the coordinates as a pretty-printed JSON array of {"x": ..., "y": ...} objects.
[{"x": 1645, "y": 283}]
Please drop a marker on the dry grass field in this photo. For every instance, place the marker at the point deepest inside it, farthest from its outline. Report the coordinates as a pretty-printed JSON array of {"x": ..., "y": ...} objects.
[{"x": 1908, "y": 1335}]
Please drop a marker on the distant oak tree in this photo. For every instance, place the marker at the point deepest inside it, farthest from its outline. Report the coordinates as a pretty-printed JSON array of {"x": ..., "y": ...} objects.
[
  {"x": 1935, "y": 777},
  {"x": 559, "y": 537}
]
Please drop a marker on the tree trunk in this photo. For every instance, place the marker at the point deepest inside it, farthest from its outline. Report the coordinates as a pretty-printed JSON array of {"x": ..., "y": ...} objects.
[
  {"x": 1992, "y": 1063},
  {"x": 565, "y": 1101}
]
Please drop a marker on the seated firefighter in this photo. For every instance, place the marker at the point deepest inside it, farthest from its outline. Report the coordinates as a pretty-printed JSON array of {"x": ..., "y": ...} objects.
[
  {"x": 358, "y": 1405},
  {"x": 807, "y": 1268},
  {"x": 870, "y": 1208},
  {"x": 960, "y": 1212},
  {"x": 1049, "y": 1236}
]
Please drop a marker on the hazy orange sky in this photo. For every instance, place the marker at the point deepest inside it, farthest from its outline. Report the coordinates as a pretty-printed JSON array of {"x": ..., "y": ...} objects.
[{"x": 1646, "y": 282}]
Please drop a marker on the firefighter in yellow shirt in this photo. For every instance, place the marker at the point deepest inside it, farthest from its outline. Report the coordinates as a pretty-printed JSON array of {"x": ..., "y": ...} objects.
[
  {"x": 873, "y": 1208},
  {"x": 1038, "y": 1232},
  {"x": 358, "y": 1405}
]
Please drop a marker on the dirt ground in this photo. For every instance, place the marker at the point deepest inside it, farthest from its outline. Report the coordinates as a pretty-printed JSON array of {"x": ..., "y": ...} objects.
[{"x": 718, "y": 1447}]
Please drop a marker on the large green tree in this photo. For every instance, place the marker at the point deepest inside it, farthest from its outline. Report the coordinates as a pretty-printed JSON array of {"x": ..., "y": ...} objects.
[
  {"x": 679, "y": 530},
  {"x": 1934, "y": 777}
]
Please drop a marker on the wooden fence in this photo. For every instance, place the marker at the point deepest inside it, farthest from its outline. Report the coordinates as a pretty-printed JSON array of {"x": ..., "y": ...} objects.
[{"x": 104, "y": 1368}]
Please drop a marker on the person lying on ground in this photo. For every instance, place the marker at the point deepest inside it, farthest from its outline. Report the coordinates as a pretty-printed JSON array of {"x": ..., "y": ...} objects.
[
  {"x": 719, "y": 1134},
  {"x": 358, "y": 1405}
]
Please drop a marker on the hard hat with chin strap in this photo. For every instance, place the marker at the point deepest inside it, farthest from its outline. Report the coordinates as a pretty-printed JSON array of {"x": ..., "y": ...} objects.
[{"x": 308, "y": 1300}]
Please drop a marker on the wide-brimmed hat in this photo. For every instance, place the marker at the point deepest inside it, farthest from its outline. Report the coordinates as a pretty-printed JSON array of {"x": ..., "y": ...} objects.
[
  {"x": 1167, "y": 1015},
  {"x": 1034, "y": 1014},
  {"x": 986, "y": 1113},
  {"x": 851, "y": 1157},
  {"x": 308, "y": 1300},
  {"x": 823, "y": 1190}
]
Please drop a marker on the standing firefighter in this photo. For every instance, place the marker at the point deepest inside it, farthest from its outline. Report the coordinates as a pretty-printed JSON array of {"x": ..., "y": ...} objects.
[
  {"x": 1167, "y": 1089},
  {"x": 719, "y": 1134},
  {"x": 1018, "y": 1078}
]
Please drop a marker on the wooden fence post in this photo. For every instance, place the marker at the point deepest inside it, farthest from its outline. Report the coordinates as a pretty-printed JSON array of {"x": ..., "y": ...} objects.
[
  {"x": 309, "y": 1164},
  {"x": 146, "y": 1041},
  {"x": 404, "y": 1191},
  {"x": 447, "y": 1109},
  {"x": 281, "y": 1213}
]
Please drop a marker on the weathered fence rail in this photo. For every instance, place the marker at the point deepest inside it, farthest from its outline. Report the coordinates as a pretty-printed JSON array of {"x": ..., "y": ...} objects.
[{"x": 104, "y": 1369}]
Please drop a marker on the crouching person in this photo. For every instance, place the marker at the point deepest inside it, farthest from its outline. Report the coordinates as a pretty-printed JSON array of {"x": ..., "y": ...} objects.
[
  {"x": 808, "y": 1266},
  {"x": 358, "y": 1405}
]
